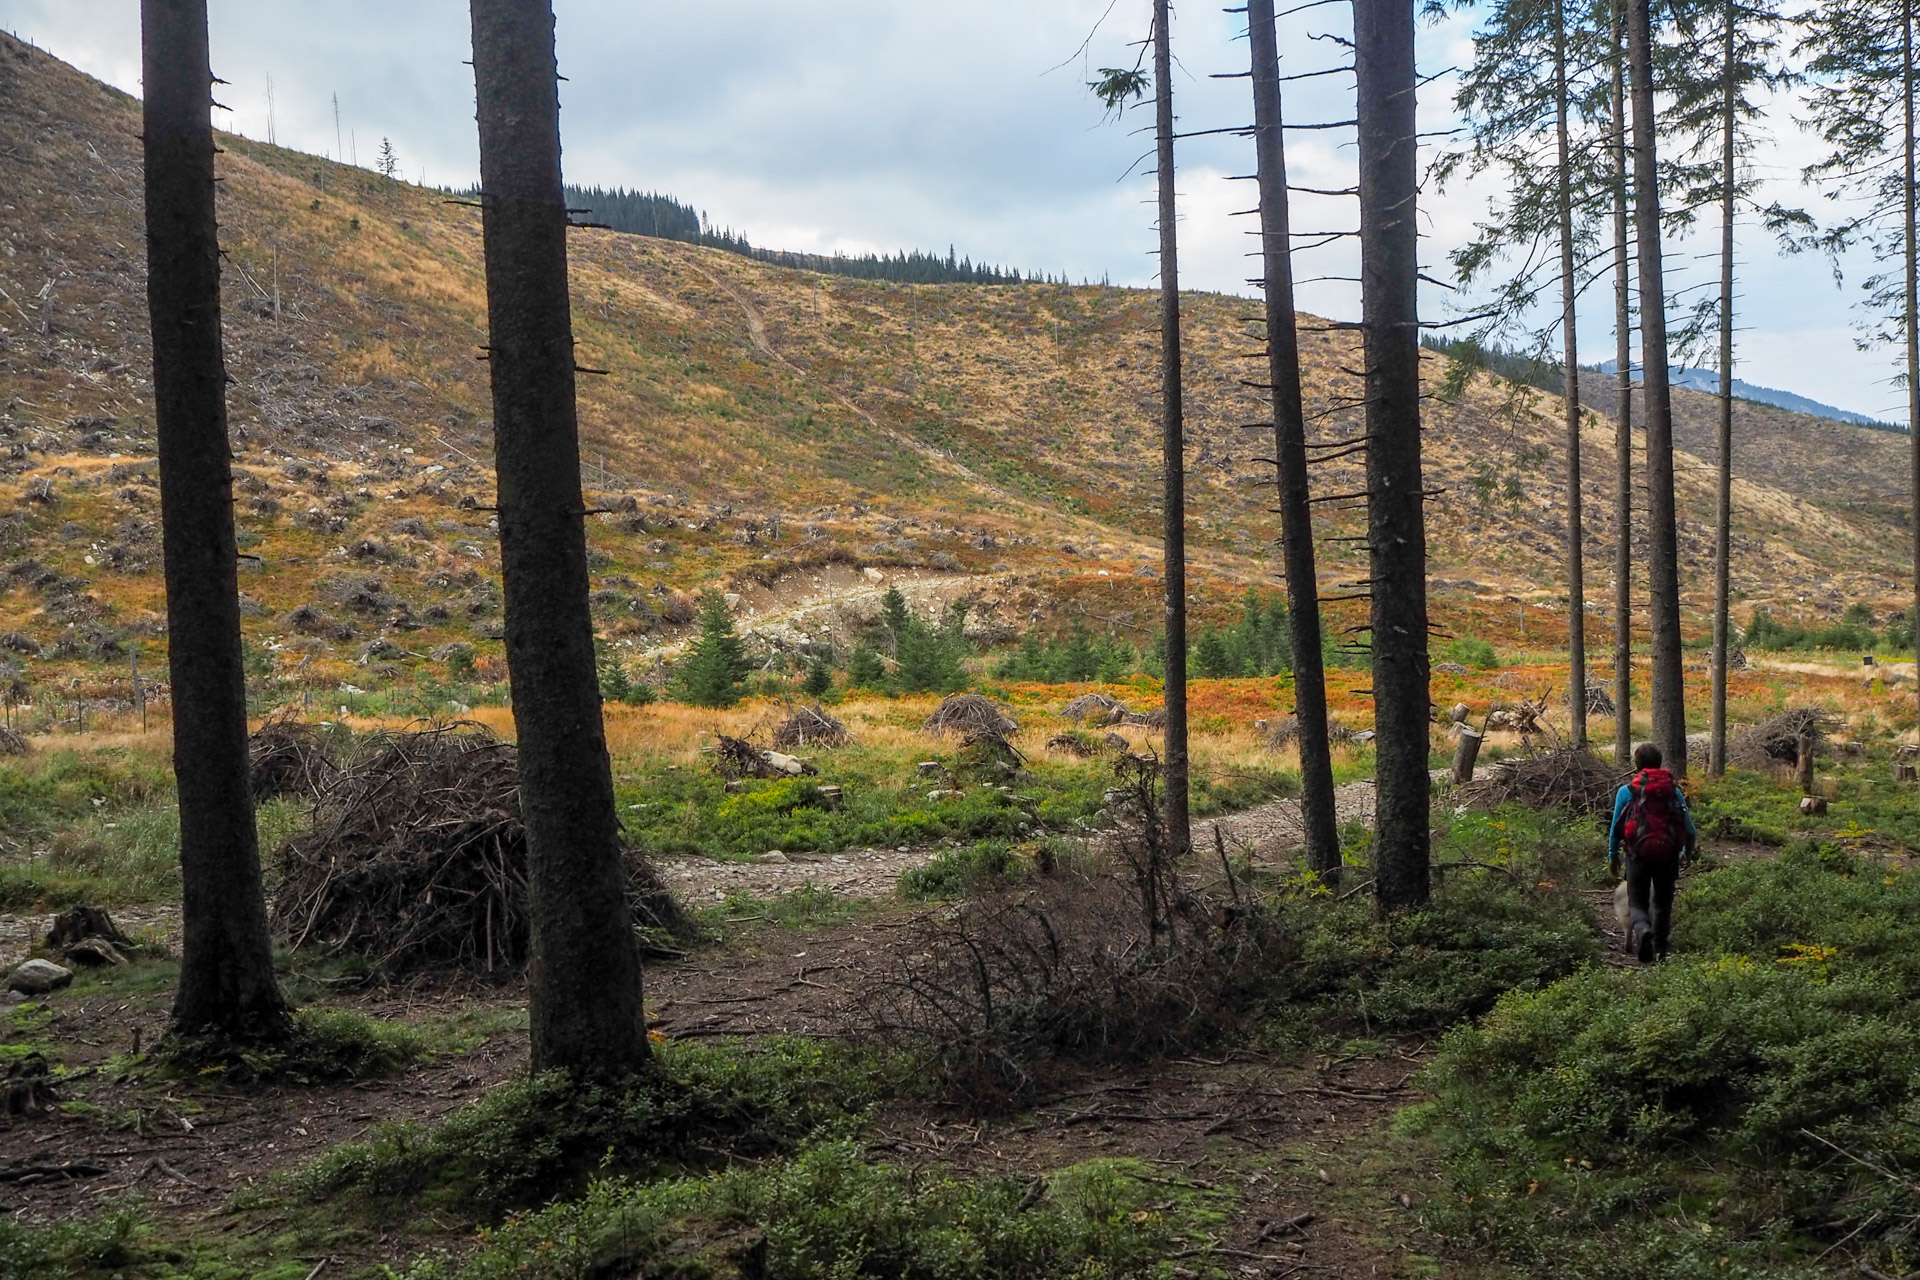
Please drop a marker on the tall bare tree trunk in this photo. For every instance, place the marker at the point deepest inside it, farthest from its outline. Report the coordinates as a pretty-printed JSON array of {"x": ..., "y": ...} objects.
[
  {"x": 1663, "y": 541},
  {"x": 1910, "y": 199},
  {"x": 1723, "y": 486},
  {"x": 227, "y": 988},
  {"x": 1173, "y": 444},
  {"x": 1576, "y": 563},
  {"x": 584, "y": 977},
  {"x": 1290, "y": 450},
  {"x": 1623, "y": 409},
  {"x": 1396, "y": 518}
]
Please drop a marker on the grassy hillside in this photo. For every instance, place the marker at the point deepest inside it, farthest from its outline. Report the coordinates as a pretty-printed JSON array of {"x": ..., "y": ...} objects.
[{"x": 755, "y": 428}]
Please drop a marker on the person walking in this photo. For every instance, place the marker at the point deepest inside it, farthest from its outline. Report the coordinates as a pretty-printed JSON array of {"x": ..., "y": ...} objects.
[{"x": 1653, "y": 829}]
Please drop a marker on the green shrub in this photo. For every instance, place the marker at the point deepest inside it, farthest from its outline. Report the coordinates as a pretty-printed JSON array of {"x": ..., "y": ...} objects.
[
  {"x": 834, "y": 1212},
  {"x": 1471, "y": 651},
  {"x": 537, "y": 1138},
  {"x": 952, "y": 873},
  {"x": 71, "y": 1247},
  {"x": 1481, "y": 937},
  {"x": 1764, "y": 1086}
]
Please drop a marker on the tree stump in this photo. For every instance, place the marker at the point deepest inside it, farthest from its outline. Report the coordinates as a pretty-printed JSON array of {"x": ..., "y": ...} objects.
[
  {"x": 1803, "y": 760},
  {"x": 1812, "y": 806},
  {"x": 1465, "y": 752},
  {"x": 1904, "y": 771}
]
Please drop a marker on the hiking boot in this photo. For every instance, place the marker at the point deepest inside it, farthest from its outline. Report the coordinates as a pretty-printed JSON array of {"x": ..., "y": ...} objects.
[{"x": 1643, "y": 946}]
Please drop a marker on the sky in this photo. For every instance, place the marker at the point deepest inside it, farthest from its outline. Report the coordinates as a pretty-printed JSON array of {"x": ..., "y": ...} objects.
[{"x": 879, "y": 125}]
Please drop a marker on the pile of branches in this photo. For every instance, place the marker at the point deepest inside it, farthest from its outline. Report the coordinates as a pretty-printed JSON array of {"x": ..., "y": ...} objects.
[
  {"x": 1599, "y": 700},
  {"x": 11, "y": 743},
  {"x": 1094, "y": 709},
  {"x": 970, "y": 713},
  {"x": 1561, "y": 777},
  {"x": 1116, "y": 964},
  {"x": 1776, "y": 741},
  {"x": 1074, "y": 743},
  {"x": 810, "y": 727},
  {"x": 416, "y": 859},
  {"x": 291, "y": 757}
]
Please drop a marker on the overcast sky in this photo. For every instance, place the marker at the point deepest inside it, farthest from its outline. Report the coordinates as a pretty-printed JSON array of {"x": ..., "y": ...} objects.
[{"x": 861, "y": 125}]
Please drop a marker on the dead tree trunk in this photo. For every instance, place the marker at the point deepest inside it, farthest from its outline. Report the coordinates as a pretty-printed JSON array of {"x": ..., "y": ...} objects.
[
  {"x": 584, "y": 976},
  {"x": 227, "y": 988},
  {"x": 1623, "y": 408},
  {"x": 1663, "y": 543},
  {"x": 1465, "y": 753},
  {"x": 1569, "y": 332},
  {"x": 1290, "y": 450},
  {"x": 1723, "y": 478},
  {"x": 1173, "y": 445},
  {"x": 1910, "y": 310},
  {"x": 1396, "y": 518}
]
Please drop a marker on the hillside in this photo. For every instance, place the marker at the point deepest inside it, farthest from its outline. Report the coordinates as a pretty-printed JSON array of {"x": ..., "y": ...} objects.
[{"x": 756, "y": 425}]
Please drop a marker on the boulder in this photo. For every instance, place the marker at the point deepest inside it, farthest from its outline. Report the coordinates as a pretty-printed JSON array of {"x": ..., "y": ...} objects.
[{"x": 38, "y": 977}]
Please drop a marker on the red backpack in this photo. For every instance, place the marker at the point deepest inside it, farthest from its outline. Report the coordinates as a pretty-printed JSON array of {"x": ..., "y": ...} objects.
[{"x": 1653, "y": 828}]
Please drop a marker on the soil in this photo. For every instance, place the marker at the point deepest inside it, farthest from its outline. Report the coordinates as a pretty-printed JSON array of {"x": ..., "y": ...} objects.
[{"x": 1291, "y": 1136}]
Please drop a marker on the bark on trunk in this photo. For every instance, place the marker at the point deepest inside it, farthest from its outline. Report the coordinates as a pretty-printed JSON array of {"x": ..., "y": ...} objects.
[
  {"x": 1290, "y": 450},
  {"x": 1623, "y": 409},
  {"x": 1465, "y": 752},
  {"x": 1911, "y": 216},
  {"x": 1663, "y": 568},
  {"x": 1396, "y": 525},
  {"x": 1576, "y": 564},
  {"x": 1723, "y": 488},
  {"x": 584, "y": 976},
  {"x": 227, "y": 988},
  {"x": 1173, "y": 446}
]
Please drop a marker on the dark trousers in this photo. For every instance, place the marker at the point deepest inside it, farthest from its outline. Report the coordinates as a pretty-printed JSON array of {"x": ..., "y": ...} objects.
[{"x": 1650, "y": 897}]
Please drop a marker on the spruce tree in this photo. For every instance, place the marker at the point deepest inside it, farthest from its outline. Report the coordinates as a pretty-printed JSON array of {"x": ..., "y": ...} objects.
[
  {"x": 1861, "y": 67},
  {"x": 226, "y": 987},
  {"x": 714, "y": 672},
  {"x": 583, "y": 977}
]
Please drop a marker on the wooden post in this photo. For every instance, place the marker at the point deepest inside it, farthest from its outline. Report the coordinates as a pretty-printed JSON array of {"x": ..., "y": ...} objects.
[
  {"x": 139, "y": 693},
  {"x": 1465, "y": 753},
  {"x": 1804, "y": 761}
]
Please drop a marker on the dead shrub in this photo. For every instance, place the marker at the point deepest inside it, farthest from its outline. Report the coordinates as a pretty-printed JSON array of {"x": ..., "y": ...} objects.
[
  {"x": 970, "y": 713},
  {"x": 1776, "y": 741},
  {"x": 416, "y": 859},
  {"x": 1073, "y": 743},
  {"x": 811, "y": 727},
  {"x": 1120, "y": 963},
  {"x": 1094, "y": 709}
]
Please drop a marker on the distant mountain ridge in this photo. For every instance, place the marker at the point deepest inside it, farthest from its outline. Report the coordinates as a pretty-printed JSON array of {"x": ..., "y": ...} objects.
[{"x": 1708, "y": 380}]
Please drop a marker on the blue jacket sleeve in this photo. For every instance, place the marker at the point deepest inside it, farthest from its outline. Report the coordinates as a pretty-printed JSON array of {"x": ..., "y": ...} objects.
[
  {"x": 1620, "y": 800},
  {"x": 1686, "y": 811}
]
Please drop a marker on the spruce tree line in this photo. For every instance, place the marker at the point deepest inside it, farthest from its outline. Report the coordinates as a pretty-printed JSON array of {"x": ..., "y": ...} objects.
[{"x": 653, "y": 214}]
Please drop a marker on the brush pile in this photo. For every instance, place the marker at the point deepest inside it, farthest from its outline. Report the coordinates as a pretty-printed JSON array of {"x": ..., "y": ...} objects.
[
  {"x": 1081, "y": 746},
  {"x": 1599, "y": 701},
  {"x": 968, "y": 714},
  {"x": 1094, "y": 709},
  {"x": 736, "y": 758},
  {"x": 1571, "y": 778},
  {"x": 290, "y": 757},
  {"x": 416, "y": 859},
  {"x": 1777, "y": 741},
  {"x": 810, "y": 727},
  {"x": 11, "y": 743}
]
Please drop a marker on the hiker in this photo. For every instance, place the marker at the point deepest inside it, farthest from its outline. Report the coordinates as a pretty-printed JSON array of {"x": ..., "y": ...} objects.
[{"x": 1654, "y": 827}]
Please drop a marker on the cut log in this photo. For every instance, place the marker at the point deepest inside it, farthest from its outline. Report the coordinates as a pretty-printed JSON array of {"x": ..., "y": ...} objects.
[
  {"x": 1813, "y": 805},
  {"x": 1465, "y": 752}
]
